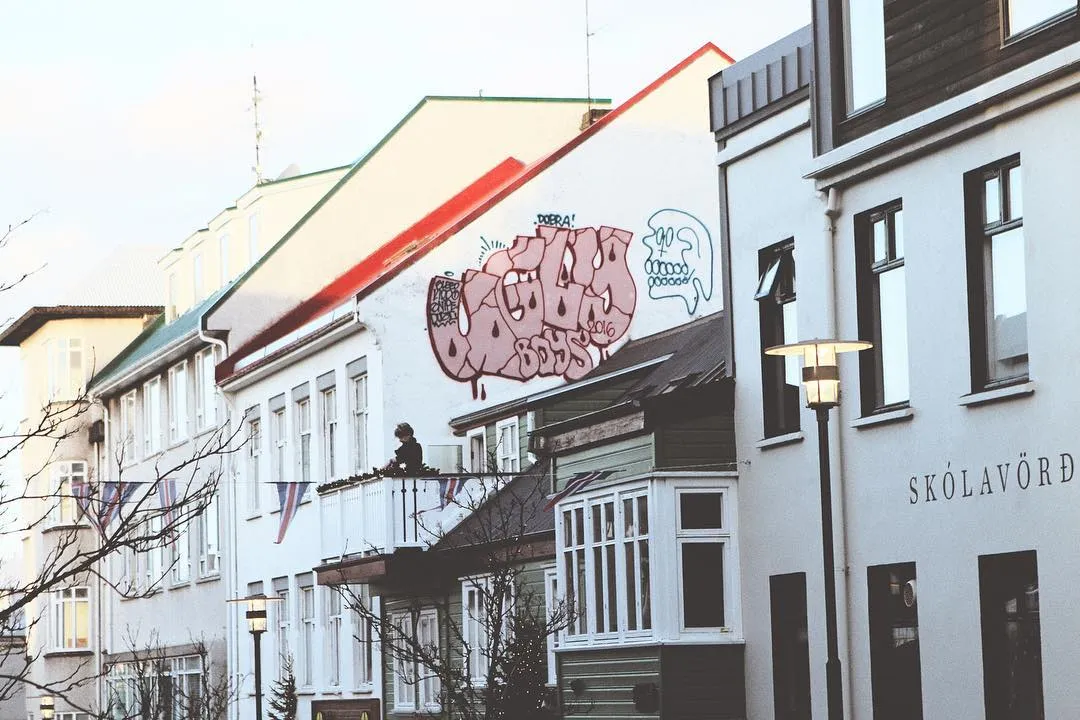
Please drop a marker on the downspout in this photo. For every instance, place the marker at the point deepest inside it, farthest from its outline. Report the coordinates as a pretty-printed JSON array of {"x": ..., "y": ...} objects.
[
  {"x": 232, "y": 655},
  {"x": 840, "y": 534},
  {"x": 99, "y": 681}
]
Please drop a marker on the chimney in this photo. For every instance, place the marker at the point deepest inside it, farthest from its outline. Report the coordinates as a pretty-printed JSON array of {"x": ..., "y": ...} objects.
[{"x": 592, "y": 115}]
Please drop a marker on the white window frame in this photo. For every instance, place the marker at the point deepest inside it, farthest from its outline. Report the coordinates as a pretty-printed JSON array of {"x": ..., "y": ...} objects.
[
  {"x": 364, "y": 638},
  {"x": 552, "y": 603},
  {"x": 184, "y": 672},
  {"x": 71, "y": 715},
  {"x": 358, "y": 392},
  {"x": 718, "y": 536},
  {"x": 280, "y": 437},
  {"x": 477, "y": 460},
  {"x": 180, "y": 558},
  {"x": 65, "y": 508},
  {"x": 303, "y": 439},
  {"x": 205, "y": 391},
  {"x": 1037, "y": 16},
  {"x": 151, "y": 417},
  {"x": 330, "y": 437},
  {"x": 858, "y": 52},
  {"x": 412, "y": 690},
  {"x": 476, "y": 593},
  {"x": 63, "y": 357},
  {"x": 306, "y": 607},
  {"x": 332, "y": 632},
  {"x": 283, "y": 614},
  {"x": 509, "y": 453},
  {"x": 254, "y": 457},
  {"x": 209, "y": 540},
  {"x": 75, "y": 597},
  {"x": 128, "y": 434},
  {"x": 178, "y": 403}
]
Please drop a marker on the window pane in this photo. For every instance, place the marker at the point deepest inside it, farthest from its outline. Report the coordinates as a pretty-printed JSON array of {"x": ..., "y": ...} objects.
[
  {"x": 898, "y": 234},
  {"x": 612, "y": 600},
  {"x": 643, "y": 586},
  {"x": 894, "y": 342},
  {"x": 1024, "y": 14},
  {"x": 703, "y": 584},
  {"x": 1016, "y": 194},
  {"x": 881, "y": 241},
  {"x": 631, "y": 594},
  {"x": 1007, "y": 306},
  {"x": 792, "y": 366},
  {"x": 701, "y": 511},
  {"x": 894, "y": 641},
  {"x": 865, "y": 52},
  {"x": 992, "y": 199},
  {"x": 767, "y": 283},
  {"x": 643, "y": 515}
]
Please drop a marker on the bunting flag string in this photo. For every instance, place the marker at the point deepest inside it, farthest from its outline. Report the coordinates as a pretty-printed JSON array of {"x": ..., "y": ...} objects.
[
  {"x": 575, "y": 484},
  {"x": 449, "y": 488},
  {"x": 167, "y": 499},
  {"x": 101, "y": 511},
  {"x": 289, "y": 495}
]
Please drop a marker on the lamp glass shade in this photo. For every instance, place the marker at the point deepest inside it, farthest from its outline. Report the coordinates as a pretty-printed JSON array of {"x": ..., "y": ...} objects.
[
  {"x": 48, "y": 708},
  {"x": 821, "y": 375},
  {"x": 256, "y": 614}
]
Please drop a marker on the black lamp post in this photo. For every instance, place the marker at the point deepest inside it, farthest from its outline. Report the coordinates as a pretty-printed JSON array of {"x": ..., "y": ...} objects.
[
  {"x": 256, "y": 618},
  {"x": 821, "y": 377}
]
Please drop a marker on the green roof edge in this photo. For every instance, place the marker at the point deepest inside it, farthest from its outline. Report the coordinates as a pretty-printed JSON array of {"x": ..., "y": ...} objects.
[{"x": 514, "y": 98}]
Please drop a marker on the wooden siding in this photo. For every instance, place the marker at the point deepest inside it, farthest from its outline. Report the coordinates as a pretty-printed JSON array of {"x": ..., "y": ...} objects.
[
  {"x": 935, "y": 50},
  {"x": 696, "y": 443},
  {"x": 626, "y": 457},
  {"x": 587, "y": 400},
  {"x": 702, "y": 681},
  {"x": 609, "y": 677}
]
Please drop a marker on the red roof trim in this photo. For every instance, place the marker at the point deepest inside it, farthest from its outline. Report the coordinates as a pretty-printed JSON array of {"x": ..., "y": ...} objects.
[{"x": 439, "y": 225}]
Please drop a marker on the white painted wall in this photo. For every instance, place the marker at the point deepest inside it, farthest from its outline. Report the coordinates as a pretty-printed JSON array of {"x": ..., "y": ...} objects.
[{"x": 778, "y": 486}]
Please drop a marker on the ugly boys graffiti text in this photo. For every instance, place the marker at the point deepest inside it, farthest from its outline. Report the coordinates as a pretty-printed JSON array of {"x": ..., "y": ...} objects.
[{"x": 550, "y": 304}]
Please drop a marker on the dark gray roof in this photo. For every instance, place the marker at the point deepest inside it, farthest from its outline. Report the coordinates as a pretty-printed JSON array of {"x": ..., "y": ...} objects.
[{"x": 30, "y": 321}]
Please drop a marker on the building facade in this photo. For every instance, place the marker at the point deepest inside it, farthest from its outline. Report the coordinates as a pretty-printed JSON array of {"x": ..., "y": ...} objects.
[{"x": 923, "y": 210}]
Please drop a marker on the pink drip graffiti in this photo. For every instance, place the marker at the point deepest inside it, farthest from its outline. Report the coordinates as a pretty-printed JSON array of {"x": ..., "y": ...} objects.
[{"x": 536, "y": 308}]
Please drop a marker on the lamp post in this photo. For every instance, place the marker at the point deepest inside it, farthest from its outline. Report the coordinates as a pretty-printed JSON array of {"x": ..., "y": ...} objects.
[
  {"x": 47, "y": 707},
  {"x": 256, "y": 618},
  {"x": 821, "y": 377}
]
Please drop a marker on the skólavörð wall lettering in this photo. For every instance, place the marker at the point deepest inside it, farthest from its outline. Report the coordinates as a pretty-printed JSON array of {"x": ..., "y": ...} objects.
[{"x": 1020, "y": 475}]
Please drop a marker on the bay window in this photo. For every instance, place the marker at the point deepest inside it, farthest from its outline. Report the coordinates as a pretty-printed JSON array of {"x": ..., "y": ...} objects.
[
  {"x": 71, "y": 618},
  {"x": 606, "y": 540}
]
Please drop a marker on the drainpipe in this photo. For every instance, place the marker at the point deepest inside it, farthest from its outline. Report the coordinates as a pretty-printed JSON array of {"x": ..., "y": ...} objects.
[
  {"x": 232, "y": 655},
  {"x": 99, "y": 682},
  {"x": 831, "y": 198}
]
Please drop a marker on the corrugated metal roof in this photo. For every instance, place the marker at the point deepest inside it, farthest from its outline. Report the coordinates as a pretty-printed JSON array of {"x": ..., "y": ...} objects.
[{"x": 152, "y": 341}]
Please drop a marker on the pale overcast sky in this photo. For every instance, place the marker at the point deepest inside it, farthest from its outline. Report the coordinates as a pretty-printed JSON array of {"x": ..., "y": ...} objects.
[{"x": 127, "y": 122}]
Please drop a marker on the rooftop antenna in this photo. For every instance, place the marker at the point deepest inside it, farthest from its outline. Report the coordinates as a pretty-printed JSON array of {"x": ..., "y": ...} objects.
[
  {"x": 588, "y": 69},
  {"x": 255, "y": 100}
]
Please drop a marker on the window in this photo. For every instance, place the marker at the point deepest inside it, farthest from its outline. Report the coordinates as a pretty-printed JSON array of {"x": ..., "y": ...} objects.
[
  {"x": 253, "y": 239},
  {"x": 67, "y": 475},
  {"x": 780, "y": 376},
  {"x": 1011, "y": 642},
  {"x": 148, "y": 562},
  {"x": 895, "y": 677},
  {"x": 71, "y": 716},
  {"x": 181, "y": 558},
  {"x": 127, "y": 428},
  {"x": 864, "y": 53},
  {"x": 363, "y": 639},
  {"x": 605, "y": 558},
  {"x": 277, "y": 427},
  {"x": 65, "y": 374},
  {"x": 1021, "y": 15},
  {"x": 303, "y": 436},
  {"x": 478, "y": 459},
  {"x": 360, "y": 422},
  {"x": 205, "y": 405},
  {"x": 185, "y": 684},
  {"x": 178, "y": 402},
  {"x": 151, "y": 417},
  {"x": 997, "y": 292},
  {"x": 333, "y": 631},
  {"x": 478, "y": 615},
  {"x": 223, "y": 255},
  {"x": 415, "y": 687},
  {"x": 71, "y": 618},
  {"x": 284, "y": 626},
  {"x": 701, "y": 535},
  {"x": 509, "y": 458},
  {"x": 254, "y": 456},
  {"x": 197, "y": 278},
  {"x": 208, "y": 540},
  {"x": 790, "y": 647},
  {"x": 552, "y": 605},
  {"x": 879, "y": 256},
  {"x": 329, "y": 428},
  {"x": 307, "y": 637},
  {"x": 173, "y": 301}
]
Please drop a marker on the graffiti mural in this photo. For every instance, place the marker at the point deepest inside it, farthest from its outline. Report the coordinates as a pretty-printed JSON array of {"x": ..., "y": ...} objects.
[
  {"x": 550, "y": 304},
  {"x": 680, "y": 262},
  {"x": 556, "y": 219}
]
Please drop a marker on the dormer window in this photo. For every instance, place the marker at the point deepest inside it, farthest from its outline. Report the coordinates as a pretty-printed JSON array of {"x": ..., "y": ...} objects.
[{"x": 864, "y": 53}]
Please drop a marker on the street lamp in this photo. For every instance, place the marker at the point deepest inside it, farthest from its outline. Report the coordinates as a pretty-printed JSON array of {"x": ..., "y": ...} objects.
[
  {"x": 256, "y": 618},
  {"x": 47, "y": 707},
  {"x": 821, "y": 377}
]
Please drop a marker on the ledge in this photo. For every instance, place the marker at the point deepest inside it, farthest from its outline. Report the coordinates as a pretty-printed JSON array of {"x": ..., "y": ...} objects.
[
  {"x": 779, "y": 440},
  {"x": 883, "y": 418},
  {"x": 208, "y": 579},
  {"x": 81, "y": 652},
  {"x": 1012, "y": 392}
]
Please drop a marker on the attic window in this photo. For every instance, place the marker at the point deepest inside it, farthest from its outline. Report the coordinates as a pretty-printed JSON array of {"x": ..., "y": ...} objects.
[{"x": 777, "y": 282}]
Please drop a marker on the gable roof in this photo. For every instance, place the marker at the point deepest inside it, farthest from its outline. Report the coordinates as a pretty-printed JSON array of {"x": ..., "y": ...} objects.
[
  {"x": 32, "y": 320},
  {"x": 152, "y": 344},
  {"x": 439, "y": 225}
]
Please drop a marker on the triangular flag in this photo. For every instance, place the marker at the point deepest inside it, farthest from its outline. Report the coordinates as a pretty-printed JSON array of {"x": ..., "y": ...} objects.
[
  {"x": 289, "y": 495},
  {"x": 576, "y": 484}
]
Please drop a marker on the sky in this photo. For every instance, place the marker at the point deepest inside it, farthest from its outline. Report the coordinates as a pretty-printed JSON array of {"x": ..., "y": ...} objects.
[{"x": 129, "y": 123}]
